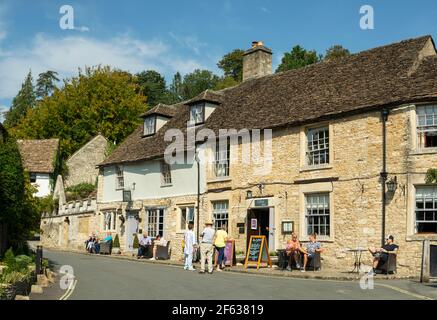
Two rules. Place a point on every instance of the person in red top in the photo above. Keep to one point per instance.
(293, 251)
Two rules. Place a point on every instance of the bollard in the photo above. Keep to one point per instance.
(38, 260)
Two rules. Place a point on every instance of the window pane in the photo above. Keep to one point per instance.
(426, 210)
(317, 214)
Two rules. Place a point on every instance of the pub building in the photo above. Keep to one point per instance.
(352, 141)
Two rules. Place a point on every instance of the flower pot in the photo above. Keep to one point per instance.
(116, 250)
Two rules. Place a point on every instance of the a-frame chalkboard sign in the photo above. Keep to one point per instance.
(257, 252)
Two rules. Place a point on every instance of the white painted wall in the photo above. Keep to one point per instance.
(42, 184)
(160, 122)
(147, 178)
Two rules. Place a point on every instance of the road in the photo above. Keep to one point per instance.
(100, 277)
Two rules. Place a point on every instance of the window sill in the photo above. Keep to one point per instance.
(216, 180)
(319, 239)
(316, 167)
(421, 237)
(423, 151)
(166, 185)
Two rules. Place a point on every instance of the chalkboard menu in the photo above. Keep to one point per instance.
(257, 252)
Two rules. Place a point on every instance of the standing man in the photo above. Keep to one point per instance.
(190, 246)
(207, 247)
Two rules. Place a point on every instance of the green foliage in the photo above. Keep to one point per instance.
(336, 52)
(116, 242)
(232, 65)
(198, 81)
(153, 86)
(297, 58)
(136, 243)
(45, 84)
(80, 191)
(226, 82)
(9, 259)
(98, 100)
(23, 101)
(46, 204)
(431, 176)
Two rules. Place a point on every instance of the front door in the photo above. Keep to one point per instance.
(433, 261)
(258, 223)
(131, 229)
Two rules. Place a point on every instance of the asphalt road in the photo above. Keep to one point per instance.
(99, 277)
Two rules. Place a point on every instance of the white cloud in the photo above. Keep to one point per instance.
(3, 110)
(265, 10)
(65, 55)
(82, 29)
(190, 42)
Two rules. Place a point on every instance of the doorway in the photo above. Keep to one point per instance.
(258, 223)
(132, 225)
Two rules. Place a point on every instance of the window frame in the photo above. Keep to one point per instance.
(112, 221)
(222, 213)
(194, 121)
(326, 225)
(425, 127)
(310, 154)
(156, 226)
(219, 163)
(153, 123)
(119, 177)
(165, 169)
(183, 220)
(425, 210)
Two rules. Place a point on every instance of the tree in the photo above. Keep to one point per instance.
(297, 58)
(232, 65)
(23, 101)
(45, 84)
(336, 52)
(19, 213)
(153, 86)
(226, 82)
(198, 81)
(175, 91)
(431, 176)
(99, 100)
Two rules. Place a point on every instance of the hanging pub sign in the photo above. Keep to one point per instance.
(127, 196)
(257, 252)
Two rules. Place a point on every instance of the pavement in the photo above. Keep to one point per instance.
(118, 277)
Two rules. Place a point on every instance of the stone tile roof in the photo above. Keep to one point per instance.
(161, 109)
(386, 76)
(39, 155)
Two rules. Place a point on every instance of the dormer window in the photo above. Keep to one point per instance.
(197, 114)
(149, 125)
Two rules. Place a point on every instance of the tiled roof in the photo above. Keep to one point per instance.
(399, 73)
(161, 109)
(39, 155)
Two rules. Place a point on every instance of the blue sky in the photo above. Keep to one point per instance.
(171, 36)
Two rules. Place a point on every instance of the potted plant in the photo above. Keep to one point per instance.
(136, 243)
(116, 245)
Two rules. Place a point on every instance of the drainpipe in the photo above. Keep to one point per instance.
(198, 191)
(384, 174)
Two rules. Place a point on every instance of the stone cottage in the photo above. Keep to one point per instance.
(40, 160)
(351, 142)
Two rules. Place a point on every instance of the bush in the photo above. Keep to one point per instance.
(80, 191)
(136, 243)
(116, 242)
(16, 264)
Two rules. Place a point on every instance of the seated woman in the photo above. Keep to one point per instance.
(293, 251)
(159, 241)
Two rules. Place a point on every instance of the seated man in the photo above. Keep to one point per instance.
(293, 251)
(310, 251)
(144, 243)
(159, 241)
(380, 255)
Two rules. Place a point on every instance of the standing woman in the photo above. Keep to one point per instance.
(189, 247)
(221, 237)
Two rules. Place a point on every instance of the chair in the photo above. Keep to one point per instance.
(314, 263)
(106, 247)
(282, 259)
(389, 266)
(163, 253)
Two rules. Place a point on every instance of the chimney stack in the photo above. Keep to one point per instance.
(257, 61)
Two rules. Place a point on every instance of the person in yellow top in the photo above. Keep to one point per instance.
(221, 236)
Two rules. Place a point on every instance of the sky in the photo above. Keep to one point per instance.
(170, 36)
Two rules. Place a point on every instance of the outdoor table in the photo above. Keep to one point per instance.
(357, 257)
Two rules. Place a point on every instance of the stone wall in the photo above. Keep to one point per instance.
(82, 164)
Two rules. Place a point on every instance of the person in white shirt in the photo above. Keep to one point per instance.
(144, 245)
(159, 241)
(190, 246)
(207, 247)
